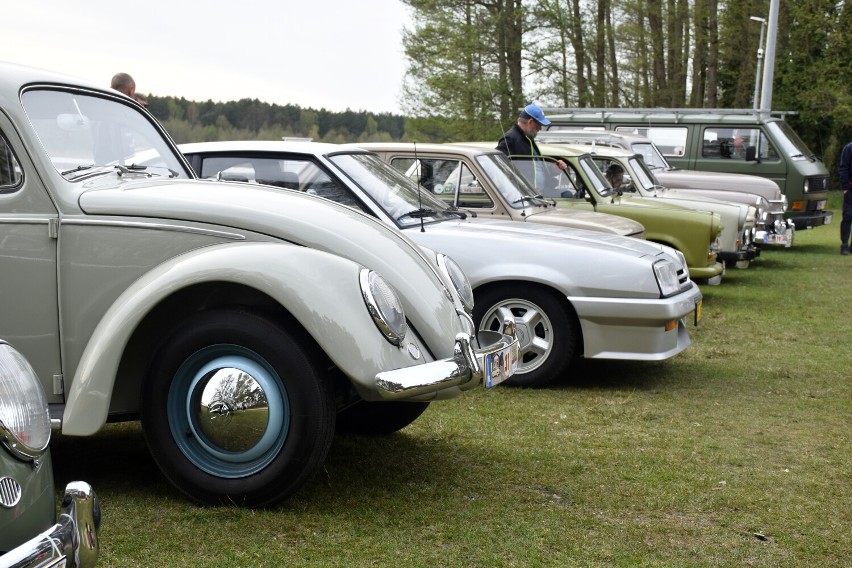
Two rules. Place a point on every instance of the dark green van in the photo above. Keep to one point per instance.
(739, 141)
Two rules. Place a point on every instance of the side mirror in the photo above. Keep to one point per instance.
(751, 154)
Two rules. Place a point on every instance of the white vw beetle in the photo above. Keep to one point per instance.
(241, 326)
(570, 292)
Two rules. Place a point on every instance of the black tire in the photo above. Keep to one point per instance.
(230, 448)
(379, 418)
(547, 328)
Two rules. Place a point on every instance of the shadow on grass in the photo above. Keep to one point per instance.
(616, 374)
(117, 463)
(115, 460)
(368, 468)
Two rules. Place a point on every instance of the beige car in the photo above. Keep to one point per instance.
(483, 182)
(242, 325)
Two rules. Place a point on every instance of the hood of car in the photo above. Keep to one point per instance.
(575, 261)
(732, 214)
(588, 220)
(692, 179)
(296, 218)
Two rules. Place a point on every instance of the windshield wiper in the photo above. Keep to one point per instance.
(77, 169)
(527, 198)
(417, 214)
(140, 168)
(454, 211)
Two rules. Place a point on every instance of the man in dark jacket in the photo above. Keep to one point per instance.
(846, 188)
(520, 139)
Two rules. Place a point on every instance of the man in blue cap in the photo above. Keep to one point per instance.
(520, 139)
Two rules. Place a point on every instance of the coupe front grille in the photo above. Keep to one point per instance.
(10, 492)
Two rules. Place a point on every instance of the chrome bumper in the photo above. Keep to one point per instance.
(466, 366)
(782, 234)
(72, 542)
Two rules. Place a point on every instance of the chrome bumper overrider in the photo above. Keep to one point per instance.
(71, 542)
(466, 366)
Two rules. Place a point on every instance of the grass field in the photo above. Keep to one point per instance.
(734, 453)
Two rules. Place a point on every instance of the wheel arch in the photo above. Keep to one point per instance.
(528, 284)
(166, 316)
(291, 282)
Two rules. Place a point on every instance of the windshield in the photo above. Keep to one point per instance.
(642, 176)
(594, 175)
(400, 197)
(652, 156)
(510, 178)
(788, 141)
(84, 135)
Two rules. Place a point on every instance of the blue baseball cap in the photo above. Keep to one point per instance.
(535, 112)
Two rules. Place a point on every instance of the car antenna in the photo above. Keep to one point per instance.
(419, 189)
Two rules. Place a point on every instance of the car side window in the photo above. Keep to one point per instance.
(670, 140)
(582, 192)
(288, 173)
(731, 143)
(448, 179)
(11, 174)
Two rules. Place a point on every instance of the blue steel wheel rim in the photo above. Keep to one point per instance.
(198, 448)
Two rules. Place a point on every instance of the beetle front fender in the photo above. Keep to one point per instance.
(319, 289)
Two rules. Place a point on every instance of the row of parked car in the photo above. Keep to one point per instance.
(298, 289)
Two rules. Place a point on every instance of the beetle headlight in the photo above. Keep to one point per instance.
(384, 306)
(666, 273)
(24, 417)
(459, 280)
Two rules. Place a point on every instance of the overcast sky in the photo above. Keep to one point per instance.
(332, 54)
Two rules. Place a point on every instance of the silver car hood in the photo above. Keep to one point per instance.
(577, 262)
(297, 218)
(589, 220)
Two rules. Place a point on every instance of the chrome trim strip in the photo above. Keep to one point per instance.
(26, 220)
(156, 226)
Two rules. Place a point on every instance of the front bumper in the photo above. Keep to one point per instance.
(811, 219)
(71, 542)
(493, 362)
(637, 329)
(741, 255)
(782, 233)
(709, 272)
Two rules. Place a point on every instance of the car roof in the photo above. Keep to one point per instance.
(591, 135)
(580, 149)
(468, 149)
(297, 146)
(14, 77)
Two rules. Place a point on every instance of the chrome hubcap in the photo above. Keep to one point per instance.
(233, 411)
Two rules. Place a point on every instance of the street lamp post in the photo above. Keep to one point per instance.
(759, 61)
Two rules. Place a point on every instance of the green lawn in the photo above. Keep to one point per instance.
(734, 453)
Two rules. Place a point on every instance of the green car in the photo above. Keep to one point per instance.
(582, 186)
(30, 533)
(736, 240)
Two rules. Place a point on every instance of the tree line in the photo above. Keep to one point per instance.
(250, 119)
(473, 63)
